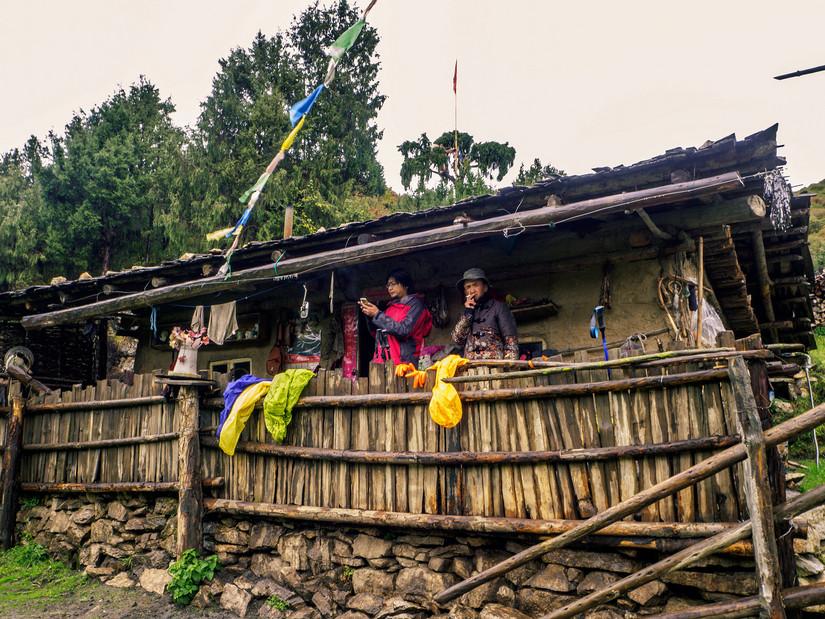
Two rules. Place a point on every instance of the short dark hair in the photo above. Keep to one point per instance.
(403, 278)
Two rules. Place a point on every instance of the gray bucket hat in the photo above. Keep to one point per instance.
(474, 273)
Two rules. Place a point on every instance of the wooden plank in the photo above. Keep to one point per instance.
(680, 430)
(723, 483)
(385, 439)
(555, 418)
(431, 443)
(660, 433)
(625, 432)
(378, 482)
(342, 418)
(361, 440)
(399, 441)
(520, 441)
(758, 492)
(705, 502)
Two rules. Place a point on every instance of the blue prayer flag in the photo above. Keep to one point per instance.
(304, 105)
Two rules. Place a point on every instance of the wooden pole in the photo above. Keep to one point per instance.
(796, 597)
(560, 368)
(62, 407)
(476, 458)
(11, 468)
(701, 296)
(688, 477)
(477, 524)
(113, 487)
(190, 492)
(764, 279)
(757, 491)
(109, 442)
(686, 557)
(289, 215)
(391, 247)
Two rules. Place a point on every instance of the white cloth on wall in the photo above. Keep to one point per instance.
(223, 322)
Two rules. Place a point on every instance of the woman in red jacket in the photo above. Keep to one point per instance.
(401, 328)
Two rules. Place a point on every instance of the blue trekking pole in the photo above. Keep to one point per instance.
(597, 327)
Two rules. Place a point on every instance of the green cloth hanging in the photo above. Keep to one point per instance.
(284, 392)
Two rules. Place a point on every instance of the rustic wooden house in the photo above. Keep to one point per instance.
(649, 448)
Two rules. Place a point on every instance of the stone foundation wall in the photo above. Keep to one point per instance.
(325, 572)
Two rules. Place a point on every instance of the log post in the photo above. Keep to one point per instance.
(757, 492)
(190, 490)
(11, 466)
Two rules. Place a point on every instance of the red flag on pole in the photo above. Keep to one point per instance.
(455, 78)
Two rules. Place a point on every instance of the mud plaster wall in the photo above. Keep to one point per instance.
(634, 309)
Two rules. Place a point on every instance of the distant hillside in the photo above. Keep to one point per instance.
(816, 227)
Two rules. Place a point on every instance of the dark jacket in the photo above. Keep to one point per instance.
(401, 329)
(488, 331)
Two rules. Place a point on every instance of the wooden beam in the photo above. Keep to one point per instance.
(542, 369)
(757, 491)
(688, 477)
(65, 407)
(516, 393)
(112, 487)
(794, 598)
(430, 458)
(11, 469)
(387, 248)
(476, 524)
(686, 557)
(190, 491)
(101, 444)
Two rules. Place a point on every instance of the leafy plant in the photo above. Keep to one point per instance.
(188, 573)
(273, 601)
(29, 502)
(348, 572)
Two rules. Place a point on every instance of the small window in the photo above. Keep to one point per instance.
(217, 368)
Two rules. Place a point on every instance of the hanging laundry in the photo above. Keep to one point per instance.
(231, 393)
(230, 430)
(284, 392)
(223, 322)
(445, 405)
(197, 319)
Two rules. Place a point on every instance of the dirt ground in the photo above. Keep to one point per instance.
(95, 600)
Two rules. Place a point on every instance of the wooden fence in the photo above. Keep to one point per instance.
(390, 456)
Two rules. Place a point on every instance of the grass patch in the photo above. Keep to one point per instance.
(28, 575)
(814, 475)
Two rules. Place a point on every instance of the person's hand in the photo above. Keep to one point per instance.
(369, 309)
(470, 301)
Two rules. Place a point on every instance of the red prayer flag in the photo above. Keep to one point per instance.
(455, 78)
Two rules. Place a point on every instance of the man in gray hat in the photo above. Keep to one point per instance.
(487, 329)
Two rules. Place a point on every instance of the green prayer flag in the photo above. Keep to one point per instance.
(258, 186)
(346, 40)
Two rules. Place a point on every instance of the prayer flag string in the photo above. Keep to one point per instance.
(297, 116)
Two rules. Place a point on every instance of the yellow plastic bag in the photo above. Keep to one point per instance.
(445, 405)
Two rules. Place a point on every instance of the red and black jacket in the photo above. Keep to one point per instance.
(405, 323)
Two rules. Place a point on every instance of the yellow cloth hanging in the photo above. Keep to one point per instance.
(445, 405)
(239, 415)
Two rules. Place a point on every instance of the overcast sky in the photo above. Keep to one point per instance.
(578, 84)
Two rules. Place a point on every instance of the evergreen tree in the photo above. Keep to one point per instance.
(109, 179)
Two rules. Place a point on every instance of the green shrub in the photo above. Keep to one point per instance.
(188, 573)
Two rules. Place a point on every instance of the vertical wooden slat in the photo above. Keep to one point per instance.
(385, 439)
(361, 437)
(430, 444)
(660, 433)
(679, 410)
(724, 489)
(378, 499)
(342, 419)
